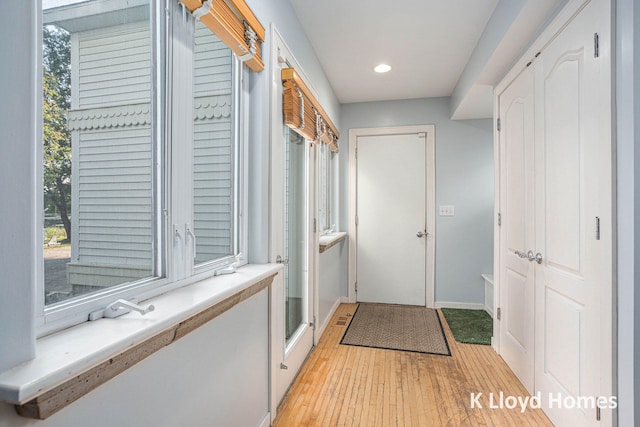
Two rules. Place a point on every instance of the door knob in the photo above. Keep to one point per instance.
(422, 233)
(537, 257)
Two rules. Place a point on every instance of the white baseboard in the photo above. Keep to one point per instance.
(266, 421)
(488, 310)
(465, 305)
(327, 319)
(344, 300)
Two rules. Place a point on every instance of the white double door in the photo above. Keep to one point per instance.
(555, 267)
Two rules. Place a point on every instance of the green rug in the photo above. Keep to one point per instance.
(469, 326)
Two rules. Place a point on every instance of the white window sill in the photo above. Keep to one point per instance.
(68, 353)
(331, 239)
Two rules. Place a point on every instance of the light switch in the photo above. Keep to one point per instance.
(447, 210)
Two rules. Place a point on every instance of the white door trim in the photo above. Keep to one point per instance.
(430, 173)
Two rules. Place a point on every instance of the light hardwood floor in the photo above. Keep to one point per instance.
(343, 385)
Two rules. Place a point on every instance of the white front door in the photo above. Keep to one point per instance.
(574, 217)
(517, 230)
(391, 220)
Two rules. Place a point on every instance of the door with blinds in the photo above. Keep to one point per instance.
(299, 124)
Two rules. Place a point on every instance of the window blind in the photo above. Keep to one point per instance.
(303, 112)
(235, 24)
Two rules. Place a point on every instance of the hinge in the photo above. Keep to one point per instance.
(356, 152)
(498, 314)
(313, 324)
(498, 124)
(314, 225)
(597, 411)
(499, 219)
(597, 228)
(596, 45)
(356, 286)
(356, 220)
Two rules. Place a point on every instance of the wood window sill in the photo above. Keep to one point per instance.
(72, 362)
(329, 240)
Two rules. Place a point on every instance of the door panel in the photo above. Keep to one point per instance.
(558, 366)
(517, 210)
(391, 198)
(573, 154)
(564, 162)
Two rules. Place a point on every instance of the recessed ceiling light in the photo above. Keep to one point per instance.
(382, 68)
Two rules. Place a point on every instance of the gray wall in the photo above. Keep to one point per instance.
(464, 178)
(333, 280)
(628, 209)
(20, 225)
(215, 376)
(282, 15)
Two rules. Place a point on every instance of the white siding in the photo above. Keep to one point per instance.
(213, 147)
(112, 216)
(114, 65)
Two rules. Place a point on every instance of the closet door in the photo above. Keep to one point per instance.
(573, 195)
(517, 229)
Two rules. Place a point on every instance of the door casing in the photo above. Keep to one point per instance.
(354, 134)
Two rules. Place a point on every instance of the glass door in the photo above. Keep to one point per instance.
(294, 246)
(296, 234)
(292, 237)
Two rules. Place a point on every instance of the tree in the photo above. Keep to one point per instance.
(56, 136)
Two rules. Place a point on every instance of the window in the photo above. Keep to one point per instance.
(143, 174)
(325, 191)
(215, 181)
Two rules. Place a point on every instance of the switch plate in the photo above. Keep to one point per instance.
(447, 210)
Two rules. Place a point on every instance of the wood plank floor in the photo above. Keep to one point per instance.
(343, 385)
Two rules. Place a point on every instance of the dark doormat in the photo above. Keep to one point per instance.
(469, 326)
(397, 327)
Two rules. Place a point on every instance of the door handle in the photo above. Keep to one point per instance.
(522, 254)
(530, 256)
(422, 233)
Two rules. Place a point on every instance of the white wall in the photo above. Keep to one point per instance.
(464, 178)
(628, 206)
(215, 376)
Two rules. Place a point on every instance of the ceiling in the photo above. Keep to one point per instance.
(427, 42)
(454, 48)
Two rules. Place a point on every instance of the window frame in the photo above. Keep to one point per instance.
(326, 190)
(164, 24)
